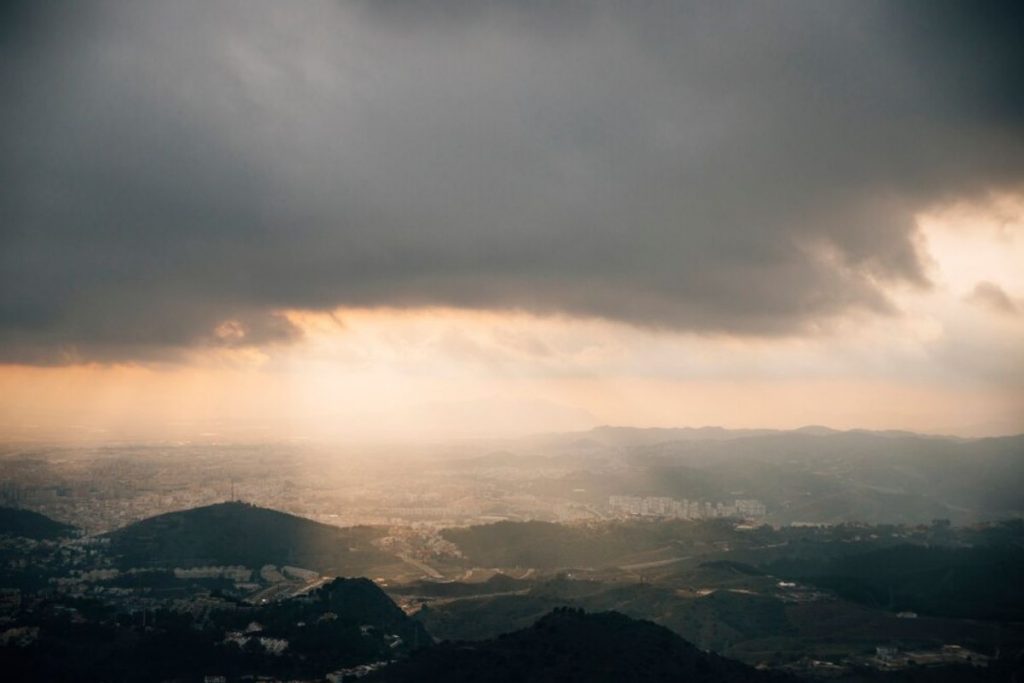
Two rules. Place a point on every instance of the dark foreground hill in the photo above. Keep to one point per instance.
(346, 623)
(972, 583)
(570, 645)
(241, 534)
(28, 524)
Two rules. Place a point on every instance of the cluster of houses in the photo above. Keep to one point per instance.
(661, 506)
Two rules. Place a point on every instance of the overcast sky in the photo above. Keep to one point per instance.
(787, 195)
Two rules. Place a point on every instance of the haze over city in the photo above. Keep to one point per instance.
(508, 340)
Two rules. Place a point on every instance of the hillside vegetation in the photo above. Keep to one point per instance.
(242, 534)
(570, 645)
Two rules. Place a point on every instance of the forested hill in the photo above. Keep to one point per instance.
(241, 534)
(570, 645)
(28, 524)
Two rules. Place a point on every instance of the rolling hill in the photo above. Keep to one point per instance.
(345, 623)
(570, 645)
(28, 524)
(241, 534)
(976, 583)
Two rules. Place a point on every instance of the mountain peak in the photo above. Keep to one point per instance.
(239, 533)
(571, 645)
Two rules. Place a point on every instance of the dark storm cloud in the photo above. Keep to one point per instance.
(174, 174)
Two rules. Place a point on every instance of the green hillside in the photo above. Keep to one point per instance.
(242, 534)
(975, 583)
(570, 645)
(346, 623)
(28, 524)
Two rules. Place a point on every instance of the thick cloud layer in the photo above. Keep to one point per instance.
(175, 174)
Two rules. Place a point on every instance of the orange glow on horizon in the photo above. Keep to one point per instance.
(946, 364)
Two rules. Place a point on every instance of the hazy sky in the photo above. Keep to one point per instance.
(250, 219)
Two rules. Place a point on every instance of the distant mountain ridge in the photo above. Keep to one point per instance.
(813, 474)
(649, 435)
(239, 533)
